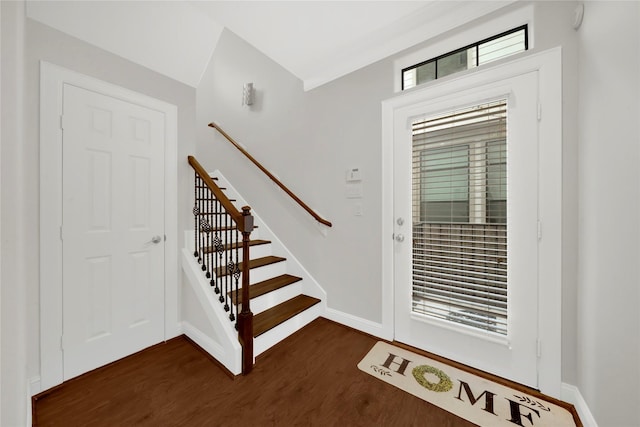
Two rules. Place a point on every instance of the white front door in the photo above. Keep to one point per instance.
(466, 224)
(113, 229)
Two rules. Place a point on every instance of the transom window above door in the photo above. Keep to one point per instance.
(479, 53)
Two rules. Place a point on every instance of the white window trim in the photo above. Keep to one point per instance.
(52, 79)
(548, 66)
(497, 25)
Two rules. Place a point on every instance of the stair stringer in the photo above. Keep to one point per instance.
(224, 347)
(310, 285)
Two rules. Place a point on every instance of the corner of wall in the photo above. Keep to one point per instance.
(571, 394)
(15, 324)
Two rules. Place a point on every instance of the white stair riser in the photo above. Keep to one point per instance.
(190, 238)
(225, 237)
(266, 272)
(277, 334)
(257, 251)
(273, 298)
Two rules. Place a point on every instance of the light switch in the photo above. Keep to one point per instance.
(354, 190)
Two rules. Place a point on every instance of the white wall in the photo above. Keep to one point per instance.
(1, 120)
(308, 139)
(553, 23)
(14, 263)
(609, 196)
(46, 44)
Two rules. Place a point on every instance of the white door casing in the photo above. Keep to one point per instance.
(547, 65)
(513, 355)
(53, 79)
(113, 229)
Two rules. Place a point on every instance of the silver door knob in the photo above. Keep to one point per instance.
(156, 239)
(399, 238)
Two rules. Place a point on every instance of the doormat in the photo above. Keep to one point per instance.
(466, 395)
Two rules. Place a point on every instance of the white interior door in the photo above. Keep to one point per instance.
(113, 229)
(466, 249)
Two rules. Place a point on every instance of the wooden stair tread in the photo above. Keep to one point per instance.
(230, 227)
(266, 286)
(251, 243)
(257, 242)
(254, 263)
(268, 319)
(207, 199)
(206, 186)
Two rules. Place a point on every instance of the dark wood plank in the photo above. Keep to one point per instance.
(310, 379)
(254, 263)
(266, 286)
(207, 198)
(257, 242)
(268, 319)
(204, 186)
(227, 228)
(238, 245)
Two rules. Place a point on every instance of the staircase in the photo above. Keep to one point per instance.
(283, 296)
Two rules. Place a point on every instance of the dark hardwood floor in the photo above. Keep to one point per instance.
(311, 378)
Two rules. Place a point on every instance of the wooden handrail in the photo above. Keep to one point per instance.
(235, 214)
(270, 175)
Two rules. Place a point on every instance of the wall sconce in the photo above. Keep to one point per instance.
(247, 94)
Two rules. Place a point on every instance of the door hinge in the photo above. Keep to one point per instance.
(539, 230)
(61, 233)
(61, 342)
(539, 111)
(538, 348)
(62, 121)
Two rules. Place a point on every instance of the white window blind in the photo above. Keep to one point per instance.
(460, 217)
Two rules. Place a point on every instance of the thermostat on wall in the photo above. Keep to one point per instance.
(354, 174)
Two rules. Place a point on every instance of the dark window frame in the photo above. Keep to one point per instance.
(475, 45)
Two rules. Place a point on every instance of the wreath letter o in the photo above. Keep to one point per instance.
(445, 383)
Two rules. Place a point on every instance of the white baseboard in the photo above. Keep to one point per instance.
(29, 416)
(571, 394)
(33, 388)
(364, 325)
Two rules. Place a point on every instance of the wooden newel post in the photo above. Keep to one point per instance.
(245, 318)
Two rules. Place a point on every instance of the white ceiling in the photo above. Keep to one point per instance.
(171, 38)
(317, 41)
(306, 36)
